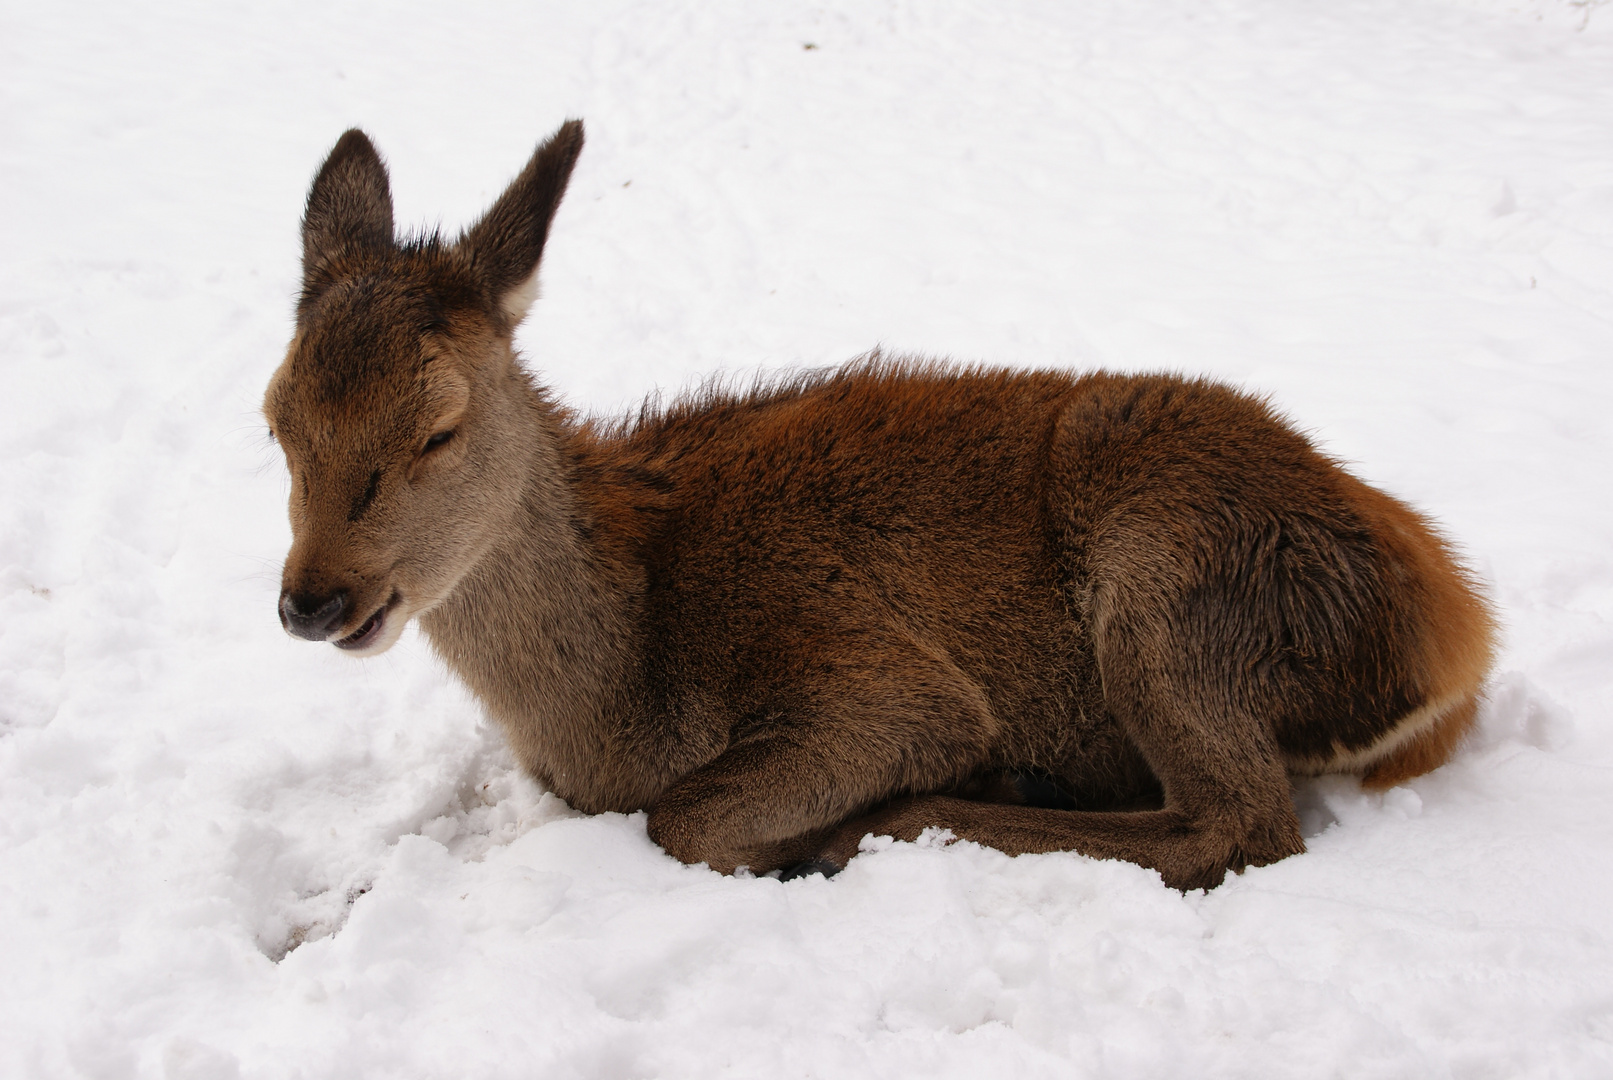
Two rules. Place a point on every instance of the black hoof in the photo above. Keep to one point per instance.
(820, 865)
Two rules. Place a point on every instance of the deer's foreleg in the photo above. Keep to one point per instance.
(902, 721)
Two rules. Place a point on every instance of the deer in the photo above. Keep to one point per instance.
(1044, 611)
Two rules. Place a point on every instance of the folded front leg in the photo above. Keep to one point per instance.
(906, 721)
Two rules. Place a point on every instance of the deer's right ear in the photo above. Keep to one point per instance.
(507, 244)
(349, 211)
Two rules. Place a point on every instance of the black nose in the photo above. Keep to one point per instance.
(313, 617)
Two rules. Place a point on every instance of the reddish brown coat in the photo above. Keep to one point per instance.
(1107, 614)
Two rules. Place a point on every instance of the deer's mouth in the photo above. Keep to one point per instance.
(371, 629)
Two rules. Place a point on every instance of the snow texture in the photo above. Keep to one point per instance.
(225, 853)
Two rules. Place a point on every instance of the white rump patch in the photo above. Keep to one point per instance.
(1406, 729)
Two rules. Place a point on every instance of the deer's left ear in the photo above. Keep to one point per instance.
(506, 246)
(349, 211)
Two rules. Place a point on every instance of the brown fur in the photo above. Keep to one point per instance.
(1098, 613)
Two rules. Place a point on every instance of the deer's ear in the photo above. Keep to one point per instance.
(349, 210)
(506, 246)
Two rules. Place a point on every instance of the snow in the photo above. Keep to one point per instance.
(224, 853)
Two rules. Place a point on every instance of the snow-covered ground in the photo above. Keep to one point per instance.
(226, 853)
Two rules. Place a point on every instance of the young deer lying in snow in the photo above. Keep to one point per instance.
(1098, 613)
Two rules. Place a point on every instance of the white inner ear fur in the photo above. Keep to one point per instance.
(518, 301)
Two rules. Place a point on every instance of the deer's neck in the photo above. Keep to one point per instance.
(542, 629)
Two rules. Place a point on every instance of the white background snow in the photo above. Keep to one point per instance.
(227, 853)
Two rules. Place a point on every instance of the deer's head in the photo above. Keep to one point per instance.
(406, 422)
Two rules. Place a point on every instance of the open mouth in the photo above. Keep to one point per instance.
(370, 629)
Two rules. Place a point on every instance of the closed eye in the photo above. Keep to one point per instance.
(439, 439)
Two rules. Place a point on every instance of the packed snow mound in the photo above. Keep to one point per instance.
(224, 853)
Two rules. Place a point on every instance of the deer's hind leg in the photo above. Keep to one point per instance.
(1209, 741)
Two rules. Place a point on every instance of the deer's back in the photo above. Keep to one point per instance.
(995, 521)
